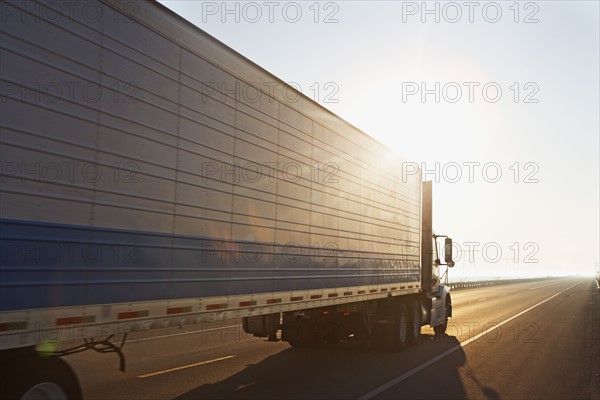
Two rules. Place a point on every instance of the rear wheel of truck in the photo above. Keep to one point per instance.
(42, 378)
(401, 337)
(415, 324)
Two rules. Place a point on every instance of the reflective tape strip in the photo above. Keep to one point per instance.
(216, 306)
(247, 303)
(85, 319)
(296, 298)
(13, 326)
(133, 314)
(178, 310)
(273, 301)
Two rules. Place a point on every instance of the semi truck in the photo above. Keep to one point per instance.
(154, 177)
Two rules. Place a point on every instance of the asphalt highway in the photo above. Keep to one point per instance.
(529, 340)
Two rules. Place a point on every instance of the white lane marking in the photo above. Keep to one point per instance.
(432, 361)
(485, 298)
(184, 367)
(537, 287)
(182, 333)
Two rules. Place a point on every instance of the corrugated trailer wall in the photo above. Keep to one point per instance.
(133, 170)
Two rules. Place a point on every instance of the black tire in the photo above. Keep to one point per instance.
(415, 324)
(42, 378)
(440, 330)
(401, 332)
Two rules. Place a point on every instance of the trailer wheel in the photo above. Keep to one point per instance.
(403, 327)
(42, 378)
(415, 324)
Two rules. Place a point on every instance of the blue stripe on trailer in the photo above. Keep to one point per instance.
(57, 265)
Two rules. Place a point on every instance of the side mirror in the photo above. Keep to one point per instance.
(448, 252)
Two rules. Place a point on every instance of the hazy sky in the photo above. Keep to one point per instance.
(518, 93)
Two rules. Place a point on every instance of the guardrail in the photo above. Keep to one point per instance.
(476, 284)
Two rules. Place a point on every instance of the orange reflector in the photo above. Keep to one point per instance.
(216, 306)
(296, 298)
(75, 320)
(13, 326)
(132, 314)
(178, 310)
(247, 303)
(273, 301)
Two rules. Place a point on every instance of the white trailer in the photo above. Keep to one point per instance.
(152, 176)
